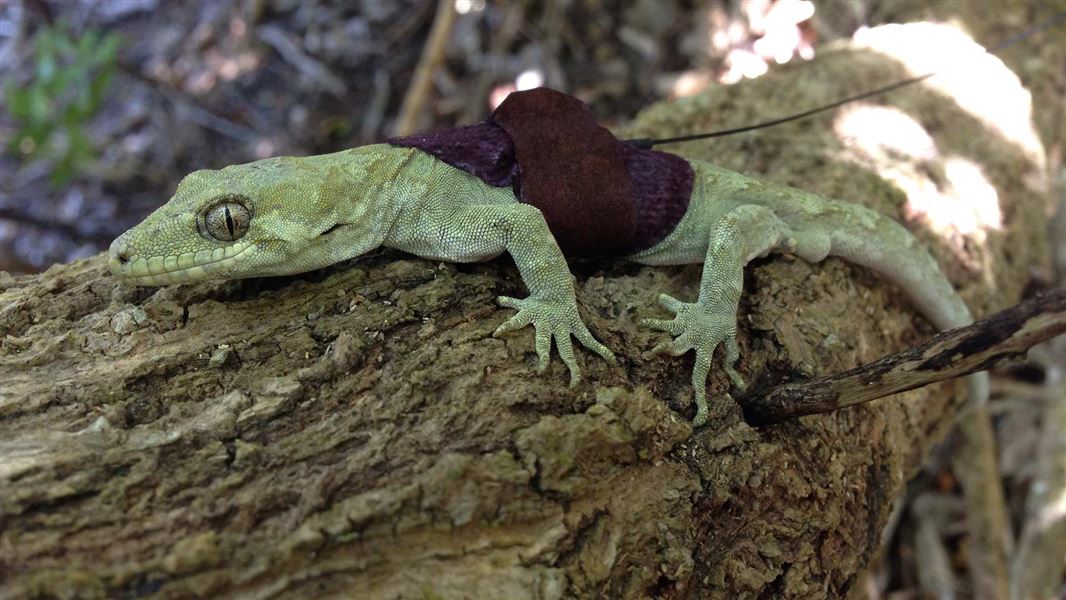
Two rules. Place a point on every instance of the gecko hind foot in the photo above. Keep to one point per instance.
(700, 327)
(558, 319)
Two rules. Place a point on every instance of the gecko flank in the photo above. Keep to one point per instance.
(539, 180)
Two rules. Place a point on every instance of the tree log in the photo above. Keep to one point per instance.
(357, 431)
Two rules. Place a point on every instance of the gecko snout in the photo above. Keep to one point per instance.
(118, 256)
(119, 251)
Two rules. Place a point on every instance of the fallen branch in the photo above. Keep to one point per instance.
(953, 353)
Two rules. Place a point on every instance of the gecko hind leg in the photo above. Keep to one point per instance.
(735, 238)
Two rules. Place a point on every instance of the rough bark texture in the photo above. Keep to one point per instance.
(358, 430)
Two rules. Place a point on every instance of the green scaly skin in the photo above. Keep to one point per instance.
(305, 213)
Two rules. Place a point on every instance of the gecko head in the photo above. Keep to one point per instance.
(269, 217)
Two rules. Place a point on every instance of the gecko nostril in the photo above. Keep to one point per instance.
(120, 251)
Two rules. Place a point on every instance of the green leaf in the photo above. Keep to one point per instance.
(64, 44)
(98, 87)
(18, 103)
(62, 173)
(72, 74)
(108, 49)
(81, 148)
(88, 43)
(39, 104)
(46, 66)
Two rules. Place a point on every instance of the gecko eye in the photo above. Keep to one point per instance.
(227, 222)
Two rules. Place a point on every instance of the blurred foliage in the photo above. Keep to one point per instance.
(70, 76)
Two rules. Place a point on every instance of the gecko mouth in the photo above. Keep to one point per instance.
(181, 268)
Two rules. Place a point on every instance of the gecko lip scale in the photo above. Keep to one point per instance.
(181, 268)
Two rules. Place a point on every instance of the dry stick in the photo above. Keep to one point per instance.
(989, 538)
(432, 56)
(953, 353)
(1036, 570)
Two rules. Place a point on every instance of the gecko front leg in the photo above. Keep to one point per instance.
(738, 236)
(470, 232)
(551, 306)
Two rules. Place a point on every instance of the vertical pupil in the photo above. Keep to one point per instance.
(229, 220)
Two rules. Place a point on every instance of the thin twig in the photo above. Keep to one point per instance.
(932, 561)
(989, 538)
(432, 57)
(954, 353)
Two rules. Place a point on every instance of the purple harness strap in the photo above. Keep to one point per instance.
(599, 196)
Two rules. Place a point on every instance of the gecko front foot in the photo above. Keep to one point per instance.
(557, 319)
(700, 327)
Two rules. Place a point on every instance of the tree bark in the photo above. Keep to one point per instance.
(357, 430)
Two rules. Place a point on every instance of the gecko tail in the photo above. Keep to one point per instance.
(886, 247)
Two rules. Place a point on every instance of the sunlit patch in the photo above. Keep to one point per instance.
(783, 38)
(875, 129)
(529, 79)
(965, 203)
(1054, 511)
(690, 83)
(973, 190)
(499, 94)
(743, 64)
(774, 31)
(959, 199)
(526, 80)
(265, 148)
(469, 6)
(979, 82)
(230, 67)
(780, 38)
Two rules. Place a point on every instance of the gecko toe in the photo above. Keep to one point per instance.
(671, 326)
(518, 321)
(670, 303)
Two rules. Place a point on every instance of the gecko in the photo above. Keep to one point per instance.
(542, 181)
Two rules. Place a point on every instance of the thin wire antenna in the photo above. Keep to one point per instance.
(648, 143)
